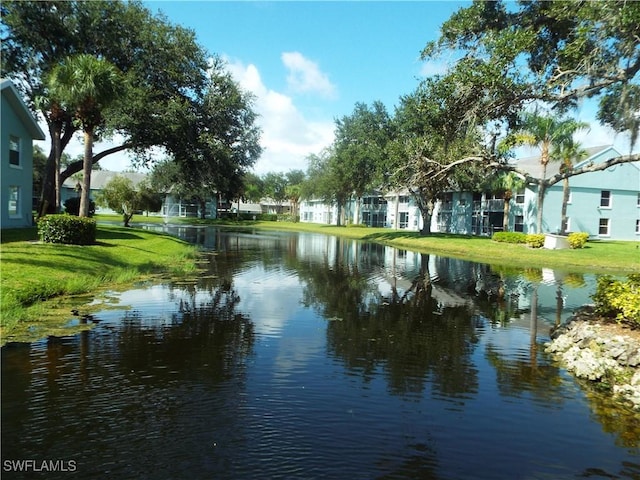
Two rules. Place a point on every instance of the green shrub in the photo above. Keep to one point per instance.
(67, 229)
(619, 299)
(287, 217)
(509, 237)
(535, 240)
(72, 206)
(577, 239)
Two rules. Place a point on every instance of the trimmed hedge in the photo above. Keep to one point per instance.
(67, 229)
(619, 299)
(535, 240)
(509, 237)
(577, 239)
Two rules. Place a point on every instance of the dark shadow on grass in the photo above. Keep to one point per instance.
(115, 235)
(393, 235)
(9, 235)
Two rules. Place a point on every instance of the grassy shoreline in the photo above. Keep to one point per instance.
(35, 277)
(605, 256)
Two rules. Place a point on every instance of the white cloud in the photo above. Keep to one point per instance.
(430, 69)
(288, 137)
(305, 76)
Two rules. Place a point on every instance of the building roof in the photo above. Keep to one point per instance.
(532, 165)
(100, 178)
(10, 92)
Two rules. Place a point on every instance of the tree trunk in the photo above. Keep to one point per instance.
(48, 195)
(426, 211)
(541, 193)
(542, 190)
(505, 213)
(57, 154)
(396, 222)
(85, 197)
(565, 201)
(356, 211)
(339, 214)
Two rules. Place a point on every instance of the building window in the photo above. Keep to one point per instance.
(605, 198)
(603, 229)
(404, 220)
(374, 219)
(520, 196)
(14, 201)
(637, 227)
(14, 150)
(639, 199)
(405, 199)
(518, 225)
(447, 200)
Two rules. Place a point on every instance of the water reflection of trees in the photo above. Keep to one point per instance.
(171, 378)
(409, 332)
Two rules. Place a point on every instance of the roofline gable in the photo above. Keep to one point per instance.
(10, 92)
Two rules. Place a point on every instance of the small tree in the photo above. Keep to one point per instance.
(567, 152)
(121, 196)
(509, 183)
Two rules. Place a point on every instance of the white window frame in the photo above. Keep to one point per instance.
(608, 225)
(638, 226)
(519, 199)
(15, 194)
(610, 199)
(516, 223)
(403, 220)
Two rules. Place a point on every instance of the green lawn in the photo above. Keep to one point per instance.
(31, 271)
(597, 256)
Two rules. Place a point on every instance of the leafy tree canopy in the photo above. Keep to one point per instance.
(555, 52)
(164, 69)
(360, 143)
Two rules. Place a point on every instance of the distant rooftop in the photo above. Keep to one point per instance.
(99, 178)
(533, 167)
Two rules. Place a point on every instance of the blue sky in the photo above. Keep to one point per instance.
(309, 62)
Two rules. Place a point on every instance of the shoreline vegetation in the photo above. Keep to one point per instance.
(37, 278)
(41, 283)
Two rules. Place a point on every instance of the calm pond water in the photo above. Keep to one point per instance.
(308, 356)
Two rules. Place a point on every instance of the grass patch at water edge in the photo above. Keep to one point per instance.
(32, 272)
(616, 257)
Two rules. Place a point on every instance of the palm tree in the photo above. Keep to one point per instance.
(509, 183)
(85, 85)
(568, 152)
(544, 132)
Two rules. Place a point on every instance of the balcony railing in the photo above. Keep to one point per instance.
(494, 205)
